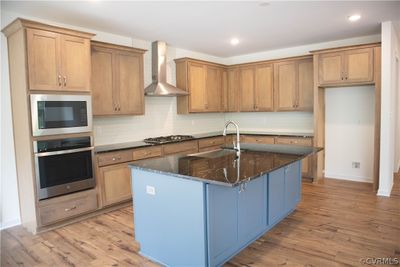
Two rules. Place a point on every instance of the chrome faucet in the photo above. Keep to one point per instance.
(237, 145)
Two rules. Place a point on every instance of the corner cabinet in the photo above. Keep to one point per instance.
(117, 80)
(294, 85)
(346, 67)
(204, 82)
(56, 61)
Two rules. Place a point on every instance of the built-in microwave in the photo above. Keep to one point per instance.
(60, 114)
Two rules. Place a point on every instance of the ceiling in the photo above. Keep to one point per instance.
(208, 26)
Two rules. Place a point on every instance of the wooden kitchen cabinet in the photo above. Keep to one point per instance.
(117, 80)
(114, 182)
(58, 62)
(256, 88)
(298, 141)
(233, 90)
(204, 81)
(293, 85)
(346, 67)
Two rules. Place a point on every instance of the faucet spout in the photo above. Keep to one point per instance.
(237, 145)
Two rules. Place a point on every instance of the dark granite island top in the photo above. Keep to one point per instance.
(223, 167)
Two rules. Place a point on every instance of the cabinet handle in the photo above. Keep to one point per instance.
(65, 81)
(69, 209)
(59, 80)
(116, 158)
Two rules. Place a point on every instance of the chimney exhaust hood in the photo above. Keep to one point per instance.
(159, 86)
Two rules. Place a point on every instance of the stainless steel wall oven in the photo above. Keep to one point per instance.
(63, 166)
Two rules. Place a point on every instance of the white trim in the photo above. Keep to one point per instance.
(10, 223)
(355, 178)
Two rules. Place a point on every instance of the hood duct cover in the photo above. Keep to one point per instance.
(159, 86)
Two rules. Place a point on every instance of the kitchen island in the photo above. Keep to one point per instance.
(202, 209)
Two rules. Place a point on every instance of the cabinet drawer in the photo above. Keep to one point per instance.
(114, 157)
(64, 207)
(184, 147)
(299, 141)
(147, 152)
(215, 141)
(258, 139)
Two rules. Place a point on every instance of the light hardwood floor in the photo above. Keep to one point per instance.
(336, 224)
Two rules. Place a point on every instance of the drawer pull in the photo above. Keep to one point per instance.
(116, 158)
(69, 209)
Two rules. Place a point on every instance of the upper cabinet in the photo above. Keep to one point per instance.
(58, 61)
(351, 66)
(232, 94)
(293, 85)
(206, 84)
(117, 80)
(256, 87)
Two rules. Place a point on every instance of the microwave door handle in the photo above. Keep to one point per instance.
(69, 151)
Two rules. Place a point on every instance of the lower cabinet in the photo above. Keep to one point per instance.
(284, 192)
(115, 183)
(237, 216)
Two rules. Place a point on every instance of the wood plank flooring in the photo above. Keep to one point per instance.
(336, 224)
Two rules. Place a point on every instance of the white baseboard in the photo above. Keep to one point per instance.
(10, 223)
(347, 177)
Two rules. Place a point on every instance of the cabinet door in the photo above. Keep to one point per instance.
(285, 83)
(224, 101)
(359, 65)
(331, 68)
(75, 63)
(43, 60)
(197, 87)
(264, 88)
(115, 183)
(247, 89)
(305, 98)
(213, 88)
(252, 219)
(102, 82)
(222, 215)
(129, 83)
(292, 186)
(233, 86)
(276, 196)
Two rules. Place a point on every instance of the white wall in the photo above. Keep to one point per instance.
(390, 106)
(160, 117)
(349, 132)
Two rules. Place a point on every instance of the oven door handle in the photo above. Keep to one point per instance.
(69, 151)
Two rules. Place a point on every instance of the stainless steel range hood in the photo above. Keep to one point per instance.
(159, 86)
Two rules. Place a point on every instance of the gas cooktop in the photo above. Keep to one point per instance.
(168, 139)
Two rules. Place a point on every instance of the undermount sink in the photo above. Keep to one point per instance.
(214, 153)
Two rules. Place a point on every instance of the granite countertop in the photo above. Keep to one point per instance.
(223, 167)
(138, 144)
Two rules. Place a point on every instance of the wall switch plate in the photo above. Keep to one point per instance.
(151, 190)
(355, 164)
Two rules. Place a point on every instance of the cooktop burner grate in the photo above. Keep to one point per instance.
(168, 139)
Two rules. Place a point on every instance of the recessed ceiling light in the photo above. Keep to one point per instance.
(354, 17)
(263, 3)
(234, 41)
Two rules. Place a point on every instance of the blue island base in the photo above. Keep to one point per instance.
(182, 222)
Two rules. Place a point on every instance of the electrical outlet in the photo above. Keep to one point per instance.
(151, 190)
(356, 164)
